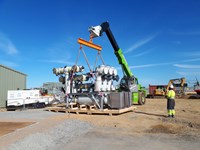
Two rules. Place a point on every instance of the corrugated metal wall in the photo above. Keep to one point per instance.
(10, 80)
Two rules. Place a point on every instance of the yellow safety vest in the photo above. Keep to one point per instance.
(171, 94)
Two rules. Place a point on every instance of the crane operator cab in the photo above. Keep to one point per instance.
(129, 84)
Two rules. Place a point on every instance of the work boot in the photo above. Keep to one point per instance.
(172, 116)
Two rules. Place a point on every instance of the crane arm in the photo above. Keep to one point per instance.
(104, 27)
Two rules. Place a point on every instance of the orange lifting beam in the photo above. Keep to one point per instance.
(89, 44)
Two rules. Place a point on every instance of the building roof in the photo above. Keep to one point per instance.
(12, 70)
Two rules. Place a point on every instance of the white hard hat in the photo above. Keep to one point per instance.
(171, 86)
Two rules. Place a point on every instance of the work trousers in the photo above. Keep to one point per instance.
(170, 107)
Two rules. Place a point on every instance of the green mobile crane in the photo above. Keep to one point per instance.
(129, 82)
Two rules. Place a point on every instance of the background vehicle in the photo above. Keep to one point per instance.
(197, 87)
(157, 91)
(179, 86)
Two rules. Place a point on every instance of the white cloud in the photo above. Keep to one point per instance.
(186, 66)
(144, 66)
(6, 45)
(170, 63)
(141, 54)
(190, 60)
(149, 65)
(141, 43)
(192, 54)
(185, 73)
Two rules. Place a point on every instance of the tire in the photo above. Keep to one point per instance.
(141, 98)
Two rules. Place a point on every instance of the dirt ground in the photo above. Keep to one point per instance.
(8, 127)
(151, 118)
(148, 120)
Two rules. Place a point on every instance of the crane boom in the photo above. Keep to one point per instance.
(104, 27)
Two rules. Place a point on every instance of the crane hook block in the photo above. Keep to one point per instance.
(89, 44)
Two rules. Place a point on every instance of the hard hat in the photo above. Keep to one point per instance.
(171, 86)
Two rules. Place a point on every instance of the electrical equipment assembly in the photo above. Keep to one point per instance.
(98, 87)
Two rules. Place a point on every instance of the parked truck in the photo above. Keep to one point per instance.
(157, 91)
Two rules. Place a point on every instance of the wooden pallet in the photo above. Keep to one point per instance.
(91, 110)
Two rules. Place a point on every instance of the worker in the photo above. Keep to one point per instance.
(171, 102)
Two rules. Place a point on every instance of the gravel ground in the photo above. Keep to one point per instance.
(52, 139)
(145, 128)
(27, 114)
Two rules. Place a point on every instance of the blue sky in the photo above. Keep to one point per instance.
(160, 39)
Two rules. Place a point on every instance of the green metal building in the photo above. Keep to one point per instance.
(10, 80)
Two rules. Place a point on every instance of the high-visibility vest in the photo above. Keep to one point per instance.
(171, 94)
